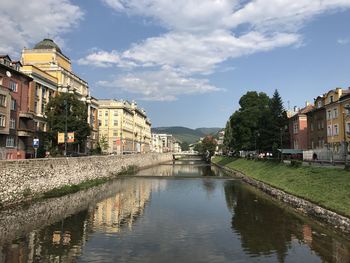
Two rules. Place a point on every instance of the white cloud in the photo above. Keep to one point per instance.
(23, 23)
(343, 41)
(202, 34)
(161, 85)
(105, 59)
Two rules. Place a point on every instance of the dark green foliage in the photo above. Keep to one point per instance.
(184, 146)
(208, 144)
(258, 124)
(76, 118)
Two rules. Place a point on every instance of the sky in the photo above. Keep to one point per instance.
(187, 62)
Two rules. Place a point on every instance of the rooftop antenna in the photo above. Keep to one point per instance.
(288, 102)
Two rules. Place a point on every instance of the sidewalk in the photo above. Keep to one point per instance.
(325, 164)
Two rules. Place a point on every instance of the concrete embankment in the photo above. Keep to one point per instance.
(302, 205)
(23, 179)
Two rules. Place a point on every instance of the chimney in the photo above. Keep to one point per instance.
(339, 91)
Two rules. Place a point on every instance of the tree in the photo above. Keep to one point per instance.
(76, 118)
(103, 143)
(258, 124)
(209, 144)
(184, 146)
(279, 123)
(248, 127)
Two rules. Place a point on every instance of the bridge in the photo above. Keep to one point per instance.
(182, 155)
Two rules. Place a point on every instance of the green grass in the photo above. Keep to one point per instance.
(327, 187)
(69, 189)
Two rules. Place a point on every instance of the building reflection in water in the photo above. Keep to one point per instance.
(195, 168)
(64, 240)
(266, 229)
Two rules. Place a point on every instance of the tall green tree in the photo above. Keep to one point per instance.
(279, 129)
(76, 118)
(248, 127)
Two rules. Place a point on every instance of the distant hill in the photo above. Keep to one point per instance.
(184, 134)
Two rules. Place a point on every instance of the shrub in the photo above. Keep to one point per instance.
(296, 163)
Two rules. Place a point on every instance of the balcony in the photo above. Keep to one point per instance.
(24, 133)
(26, 115)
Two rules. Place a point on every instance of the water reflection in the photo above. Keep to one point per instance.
(266, 228)
(156, 220)
(185, 168)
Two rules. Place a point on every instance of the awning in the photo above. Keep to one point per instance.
(290, 151)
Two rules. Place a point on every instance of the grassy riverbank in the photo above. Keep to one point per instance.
(327, 187)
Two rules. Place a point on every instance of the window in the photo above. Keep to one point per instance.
(295, 127)
(115, 113)
(336, 129)
(347, 109)
(322, 124)
(2, 120)
(43, 91)
(319, 104)
(115, 123)
(37, 90)
(42, 108)
(13, 86)
(312, 127)
(329, 130)
(106, 123)
(2, 100)
(312, 145)
(330, 99)
(335, 113)
(36, 107)
(106, 113)
(10, 141)
(329, 115)
(13, 104)
(115, 133)
(12, 123)
(347, 127)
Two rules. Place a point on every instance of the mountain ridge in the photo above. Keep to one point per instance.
(184, 134)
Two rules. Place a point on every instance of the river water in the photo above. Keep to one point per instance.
(185, 211)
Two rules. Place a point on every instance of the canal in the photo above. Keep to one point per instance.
(185, 211)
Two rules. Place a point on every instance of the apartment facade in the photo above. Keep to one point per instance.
(298, 129)
(337, 103)
(48, 57)
(125, 126)
(16, 117)
(317, 125)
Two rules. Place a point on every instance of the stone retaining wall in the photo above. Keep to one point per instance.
(21, 178)
(333, 219)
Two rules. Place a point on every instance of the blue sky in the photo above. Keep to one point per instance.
(188, 62)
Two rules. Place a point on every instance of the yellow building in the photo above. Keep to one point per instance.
(41, 90)
(338, 118)
(125, 126)
(48, 58)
